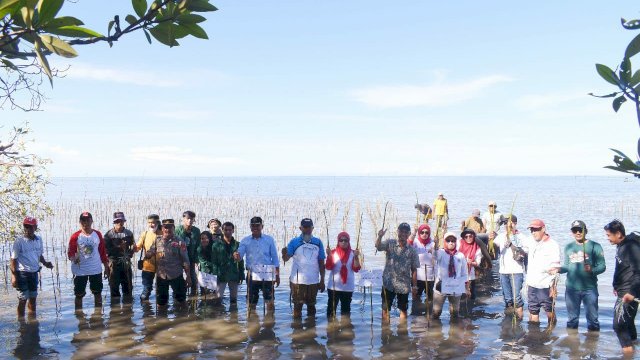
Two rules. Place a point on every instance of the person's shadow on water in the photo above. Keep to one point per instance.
(28, 342)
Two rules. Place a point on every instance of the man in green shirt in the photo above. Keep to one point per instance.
(190, 235)
(583, 262)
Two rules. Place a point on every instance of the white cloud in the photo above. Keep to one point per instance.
(438, 94)
(183, 114)
(179, 155)
(135, 77)
(545, 101)
(56, 149)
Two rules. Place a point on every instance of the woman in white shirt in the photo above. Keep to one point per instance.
(421, 241)
(342, 263)
(451, 277)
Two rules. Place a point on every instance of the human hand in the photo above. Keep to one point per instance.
(553, 271)
(627, 298)
(381, 233)
(14, 281)
(48, 264)
(321, 285)
(278, 280)
(236, 256)
(356, 252)
(587, 267)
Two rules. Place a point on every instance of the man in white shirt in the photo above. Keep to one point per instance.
(544, 257)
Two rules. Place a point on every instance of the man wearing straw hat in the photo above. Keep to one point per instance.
(191, 236)
(626, 284)
(147, 239)
(544, 256)
(86, 251)
(171, 257)
(307, 271)
(399, 277)
(26, 256)
(120, 246)
(583, 262)
(259, 249)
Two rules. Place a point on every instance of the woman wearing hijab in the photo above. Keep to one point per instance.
(421, 241)
(473, 253)
(342, 263)
(451, 277)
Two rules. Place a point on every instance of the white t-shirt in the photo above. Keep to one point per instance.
(335, 280)
(451, 285)
(543, 255)
(90, 263)
(28, 253)
(425, 256)
(477, 258)
(507, 264)
(492, 221)
(305, 269)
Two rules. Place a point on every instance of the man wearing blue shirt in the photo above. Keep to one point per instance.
(308, 256)
(259, 250)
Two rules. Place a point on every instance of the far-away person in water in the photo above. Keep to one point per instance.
(342, 263)
(626, 283)
(171, 257)
(400, 271)
(26, 257)
(451, 277)
(146, 240)
(229, 271)
(544, 256)
(87, 254)
(259, 249)
(583, 262)
(120, 245)
(191, 236)
(307, 271)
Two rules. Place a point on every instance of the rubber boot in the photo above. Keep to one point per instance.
(97, 300)
(78, 303)
(297, 311)
(311, 310)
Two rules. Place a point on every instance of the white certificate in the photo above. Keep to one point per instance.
(370, 278)
(207, 280)
(263, 273)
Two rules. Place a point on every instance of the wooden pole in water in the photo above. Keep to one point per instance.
(384, 218)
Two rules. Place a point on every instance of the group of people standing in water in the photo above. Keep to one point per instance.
(443, 265)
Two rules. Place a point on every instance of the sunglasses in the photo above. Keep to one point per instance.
(468, 236)
(492, 206)
(577, 230)
(450, 240)
(343, 240)
(424, 232)
(534, 229)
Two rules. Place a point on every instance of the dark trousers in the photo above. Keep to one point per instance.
(342, 297)
(624, 316)
(80, 284)
(178, 286)
(254, 291)
(425, 287)
(120, 276)
(147, 283)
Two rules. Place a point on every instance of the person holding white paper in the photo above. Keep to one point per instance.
(420, 239)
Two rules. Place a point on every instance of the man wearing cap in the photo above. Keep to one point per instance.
(172, 259)
(492, 219)
(513, 247)
(583, 262)
(191, 236)
(626, 283)
(307, 271)
(259, 249)
(146, 240)
(544, 257)
(86, 251)
(399, 277)
(119, 244)
(26, 257)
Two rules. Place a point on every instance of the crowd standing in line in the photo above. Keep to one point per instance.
(415, 263)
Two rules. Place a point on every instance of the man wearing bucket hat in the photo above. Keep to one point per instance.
(583, 262)
(544, 256)
(399, 277)
(86, 251)
(120, 246)
(26, 257)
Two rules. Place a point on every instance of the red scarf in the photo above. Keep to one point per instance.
(343, 254)
(469, 251)
(428, 239)
(452, 264)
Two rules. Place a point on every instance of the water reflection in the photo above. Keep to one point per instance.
(88, 337)
(263, 342)
(28, 343)
(303, 339)
(398, 345)
(340, 338)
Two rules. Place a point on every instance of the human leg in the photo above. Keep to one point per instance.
(590, 301)
(162, 291)
(147, 284)
(573, 300)
(438, 302)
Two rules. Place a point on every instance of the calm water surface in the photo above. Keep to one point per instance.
(201, 330)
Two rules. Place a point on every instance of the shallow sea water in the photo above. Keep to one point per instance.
(202, 330)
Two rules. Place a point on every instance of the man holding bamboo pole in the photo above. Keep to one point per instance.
(400, 271)
(308, 269)
(583, 262)
(513, 249)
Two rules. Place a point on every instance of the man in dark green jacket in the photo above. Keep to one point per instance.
(229, 271)
(190, 235)
(583, 262)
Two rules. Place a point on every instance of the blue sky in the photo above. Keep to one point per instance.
(344, 88)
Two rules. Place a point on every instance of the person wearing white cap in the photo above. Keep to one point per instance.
(451, 277)
(120, 247)
(492, 218)
(26, 257)
(544, 258)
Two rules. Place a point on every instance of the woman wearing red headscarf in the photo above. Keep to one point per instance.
(421, 241)
(473, 253)
(342, 263)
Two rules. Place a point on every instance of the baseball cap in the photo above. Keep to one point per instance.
(404, 227)
(306, 222)
(492, 203)
(578, 224)
(118, 215)
(168, 222)
(86, 215)
(536, 223)
(30, 221)
(256, 220)
(449, 233)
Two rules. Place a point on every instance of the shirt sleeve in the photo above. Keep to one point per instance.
(415, 261)
(275, 261)
(242, 248)
(598, 259)
(73, 246)
(329, 263)
(185, 255)
(15, 250)
(565, 267)
(384, 244)
(101, 248)
(321, 254)
(291, 247)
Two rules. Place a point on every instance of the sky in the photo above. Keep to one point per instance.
(303, 88)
